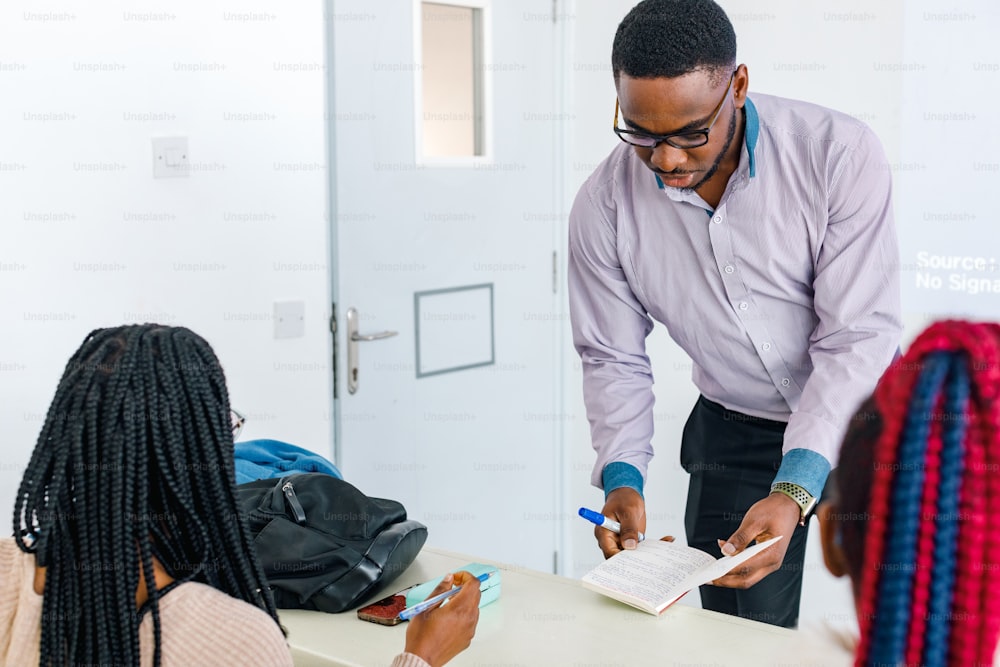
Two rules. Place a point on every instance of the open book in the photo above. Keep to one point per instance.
(656, 574)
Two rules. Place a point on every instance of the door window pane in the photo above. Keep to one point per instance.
(452, 80)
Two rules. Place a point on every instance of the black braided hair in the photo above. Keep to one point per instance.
(670, 38)
(134, 462)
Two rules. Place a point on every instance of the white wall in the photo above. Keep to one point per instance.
(90, 239)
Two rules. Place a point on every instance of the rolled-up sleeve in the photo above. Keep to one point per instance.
(610, 326)
(857, 304)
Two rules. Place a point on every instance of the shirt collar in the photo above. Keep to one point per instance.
(750, 134)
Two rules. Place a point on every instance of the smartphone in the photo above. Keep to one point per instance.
(385, 611)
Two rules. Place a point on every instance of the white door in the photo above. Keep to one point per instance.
(458, 260)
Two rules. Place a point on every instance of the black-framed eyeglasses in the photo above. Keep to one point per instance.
(236, 422)
(684, 140)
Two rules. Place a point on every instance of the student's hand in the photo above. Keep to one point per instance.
(775, 515)
(627, 507)
(440, 634)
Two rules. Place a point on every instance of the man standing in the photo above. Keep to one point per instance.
(760, 233)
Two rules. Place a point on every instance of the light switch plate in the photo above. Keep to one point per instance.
(170, 157)
(289, 319)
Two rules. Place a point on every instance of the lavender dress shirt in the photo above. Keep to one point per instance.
(785, 296)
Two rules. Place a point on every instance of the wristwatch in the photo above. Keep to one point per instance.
(802, 498)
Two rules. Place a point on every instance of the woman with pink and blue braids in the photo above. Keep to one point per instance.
(912, 513)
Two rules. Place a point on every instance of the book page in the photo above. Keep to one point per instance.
(655, 574)
(649, 575)
(725, 564)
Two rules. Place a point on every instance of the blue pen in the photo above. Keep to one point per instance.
(421, 607)
(599, 519)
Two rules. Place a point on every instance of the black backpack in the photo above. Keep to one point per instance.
(323, 544)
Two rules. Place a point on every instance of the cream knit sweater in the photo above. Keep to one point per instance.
(201, 625)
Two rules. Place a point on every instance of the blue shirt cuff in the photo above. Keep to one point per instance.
(803, 467)
(617, 474)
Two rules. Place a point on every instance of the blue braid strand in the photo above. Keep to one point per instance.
(957, 390)
(899, 560)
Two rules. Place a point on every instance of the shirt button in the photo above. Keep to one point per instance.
(765, 347)
(785, 382)
(744, 305)
(717, 219)
(729, 268)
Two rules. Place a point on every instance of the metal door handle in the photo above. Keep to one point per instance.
(353, 338)
(356, 337)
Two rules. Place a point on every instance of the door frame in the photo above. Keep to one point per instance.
(561, 10)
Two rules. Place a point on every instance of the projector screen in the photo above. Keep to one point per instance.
(949, 169)
(926, 78)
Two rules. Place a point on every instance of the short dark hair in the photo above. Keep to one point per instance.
(669, 38)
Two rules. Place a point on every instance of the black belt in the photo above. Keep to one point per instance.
(732, 415)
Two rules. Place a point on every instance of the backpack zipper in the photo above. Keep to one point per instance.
(293, 502)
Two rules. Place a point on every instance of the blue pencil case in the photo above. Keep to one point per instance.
(490, 589)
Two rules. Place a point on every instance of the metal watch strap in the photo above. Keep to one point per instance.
(802, 498)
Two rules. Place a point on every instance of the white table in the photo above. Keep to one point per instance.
(544, 619)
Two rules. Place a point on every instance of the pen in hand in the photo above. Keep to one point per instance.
(421, 607)
(599, 519)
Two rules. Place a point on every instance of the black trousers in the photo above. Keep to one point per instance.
(732, 459)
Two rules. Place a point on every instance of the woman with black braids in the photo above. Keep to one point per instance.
(127, 506)
(913, 510)
(128, 548)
